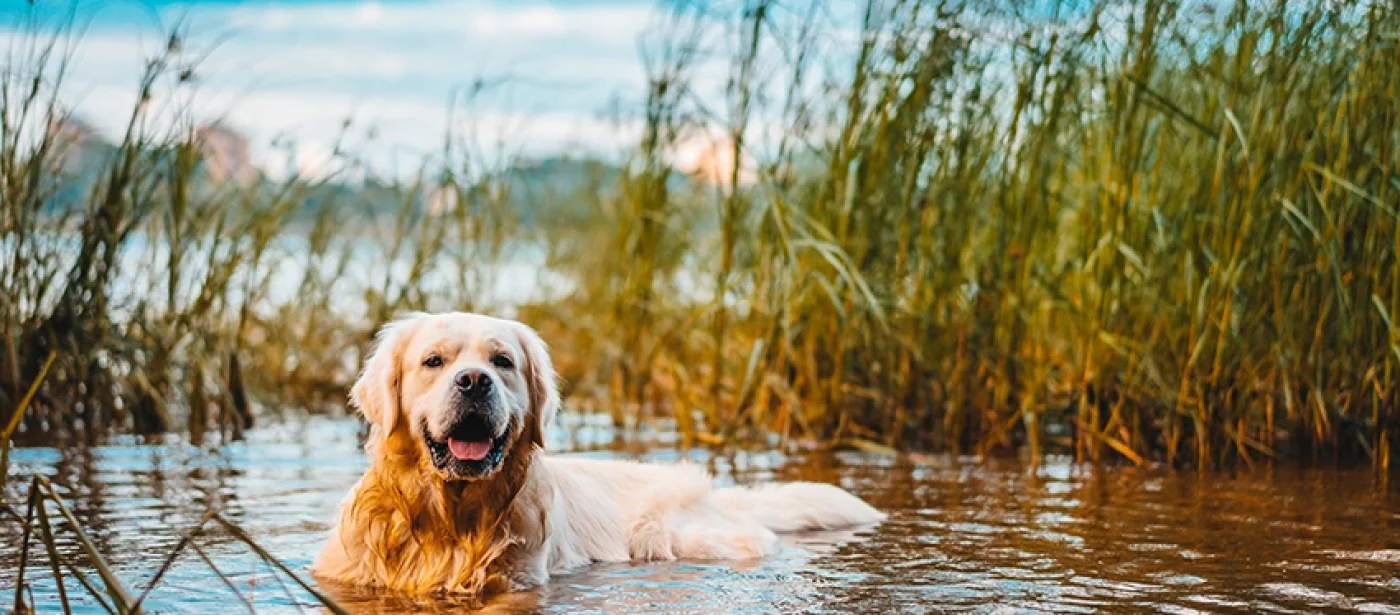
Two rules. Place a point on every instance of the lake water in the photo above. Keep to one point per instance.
(985, 536)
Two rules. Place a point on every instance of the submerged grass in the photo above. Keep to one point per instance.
(1152, 231)
(111, 595)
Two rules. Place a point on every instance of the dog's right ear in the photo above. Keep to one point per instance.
(543, 381)
(376, 393)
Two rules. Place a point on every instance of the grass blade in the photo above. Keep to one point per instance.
(222, 577)
(243, 536)
(33, 498)
(120, 598)
(185, 541)
(19, 414)
(52, 548)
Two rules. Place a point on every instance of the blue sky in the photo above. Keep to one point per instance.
(295, 70)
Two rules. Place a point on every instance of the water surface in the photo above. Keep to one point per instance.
(987, 535)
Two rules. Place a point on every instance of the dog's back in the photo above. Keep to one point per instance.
(672, 511)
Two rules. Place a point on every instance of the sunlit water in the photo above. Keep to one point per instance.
(963, 535)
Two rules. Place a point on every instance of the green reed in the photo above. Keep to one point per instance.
(1137, 230)
(1164, 230)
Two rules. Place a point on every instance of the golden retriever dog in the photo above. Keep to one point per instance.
(461, 497)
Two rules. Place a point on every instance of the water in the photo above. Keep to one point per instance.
(963, 535)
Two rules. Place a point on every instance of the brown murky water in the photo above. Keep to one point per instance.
(963, 535)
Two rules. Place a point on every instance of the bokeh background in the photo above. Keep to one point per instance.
(1136, 231)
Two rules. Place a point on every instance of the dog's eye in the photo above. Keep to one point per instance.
(432, 362)
(502, 361)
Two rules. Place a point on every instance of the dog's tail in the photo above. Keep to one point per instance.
(793, 507)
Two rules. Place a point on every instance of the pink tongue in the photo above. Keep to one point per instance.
(469, 451)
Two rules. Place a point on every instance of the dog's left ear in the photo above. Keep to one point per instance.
(541, 378)
(376, 392)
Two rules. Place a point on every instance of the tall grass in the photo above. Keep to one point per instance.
(1137, 230)
(155, 287)
(1147, 230)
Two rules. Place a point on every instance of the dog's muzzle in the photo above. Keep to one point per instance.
(474, 444)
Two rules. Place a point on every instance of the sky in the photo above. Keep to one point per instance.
(289, 72)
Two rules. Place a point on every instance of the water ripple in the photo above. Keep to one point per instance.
(964, 536)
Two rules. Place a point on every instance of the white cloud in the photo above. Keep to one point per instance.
(369, 12)
(299, 71)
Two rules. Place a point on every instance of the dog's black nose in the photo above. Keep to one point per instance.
(474, 381)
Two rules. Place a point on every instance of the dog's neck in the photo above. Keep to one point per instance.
(467, 503)
(469, 532)
(487, 501)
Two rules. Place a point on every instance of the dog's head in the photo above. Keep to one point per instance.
(470, 390)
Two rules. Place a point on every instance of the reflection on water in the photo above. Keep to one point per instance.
(962, 535)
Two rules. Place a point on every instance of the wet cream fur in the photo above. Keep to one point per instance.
(406, 527)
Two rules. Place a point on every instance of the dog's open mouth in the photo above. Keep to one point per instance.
(469, 449)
